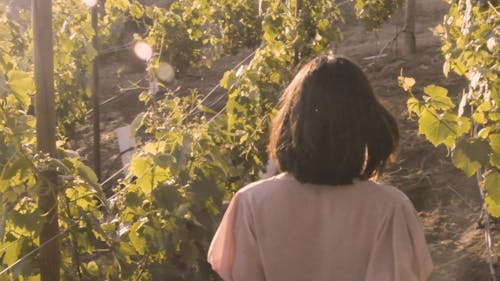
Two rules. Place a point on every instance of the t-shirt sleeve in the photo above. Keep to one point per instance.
(400, 252)
(222, 249)
(233, 252)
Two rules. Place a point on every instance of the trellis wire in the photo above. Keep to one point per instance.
(60, 234)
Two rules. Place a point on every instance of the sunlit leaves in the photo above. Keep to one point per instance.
(228, 79)
(136, 10)
(121, 4)
(492, 187)
(494, 140)
(442, 128)
(469, 41)
(137, 240)
(374, 12)
(22, 85)
(437, 97)
(194, 155)
(414, 105)
(470, 154)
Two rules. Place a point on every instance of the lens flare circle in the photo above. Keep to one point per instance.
(90, 3)
(165, 72)
(143, 50)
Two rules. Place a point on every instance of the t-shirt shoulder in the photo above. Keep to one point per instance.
(392, 193)
(386, 194)
(257, 185)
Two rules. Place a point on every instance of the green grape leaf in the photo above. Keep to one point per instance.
(167, 197)
(22, 85)
(271, 30)
(444, 128)
(495, 159)
(470, 154)
(206, 109)
(479, 117)
(493, 207)
(13, 168)
(495, 147)
(492, 186)
(189, 251)
(142, 167)
(136, 10)
(11, 254)
(126, 250)
(122, 4)
(87, 174)
(228, 79)
(204, 189)
(414, 105)
(438, 97)
(137, 123)
(136, 239)
(495, 142)
(93, 268)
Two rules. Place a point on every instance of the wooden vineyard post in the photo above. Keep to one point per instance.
(95, 95)
(50, 259)
(298, 13)
(409, 45)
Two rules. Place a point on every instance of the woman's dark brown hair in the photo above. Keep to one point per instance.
(330, 128)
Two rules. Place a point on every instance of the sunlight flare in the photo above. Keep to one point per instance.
(143, 50)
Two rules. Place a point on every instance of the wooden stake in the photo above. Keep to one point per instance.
(95, 95)
(50, 259)
(409, 45)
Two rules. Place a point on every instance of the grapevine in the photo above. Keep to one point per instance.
(470, 128)
(192, 157)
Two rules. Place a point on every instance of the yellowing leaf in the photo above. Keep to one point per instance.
(495, 142)
(479, 117)
(438, 30)
(406, 83)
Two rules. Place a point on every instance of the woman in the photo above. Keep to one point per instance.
(322, 218)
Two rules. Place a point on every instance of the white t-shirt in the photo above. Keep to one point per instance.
(281, 230)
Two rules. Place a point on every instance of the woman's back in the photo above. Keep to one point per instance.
(327, 222)
(292, 231)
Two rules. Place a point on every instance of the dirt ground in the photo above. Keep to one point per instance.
(447, 201)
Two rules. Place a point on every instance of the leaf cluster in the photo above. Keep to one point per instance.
(471, 130)
(159, 222)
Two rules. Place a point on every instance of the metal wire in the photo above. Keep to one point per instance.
(60, 234)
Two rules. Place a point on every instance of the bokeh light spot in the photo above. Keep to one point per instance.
(143, 51)
(165, 72)
(90, 3)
